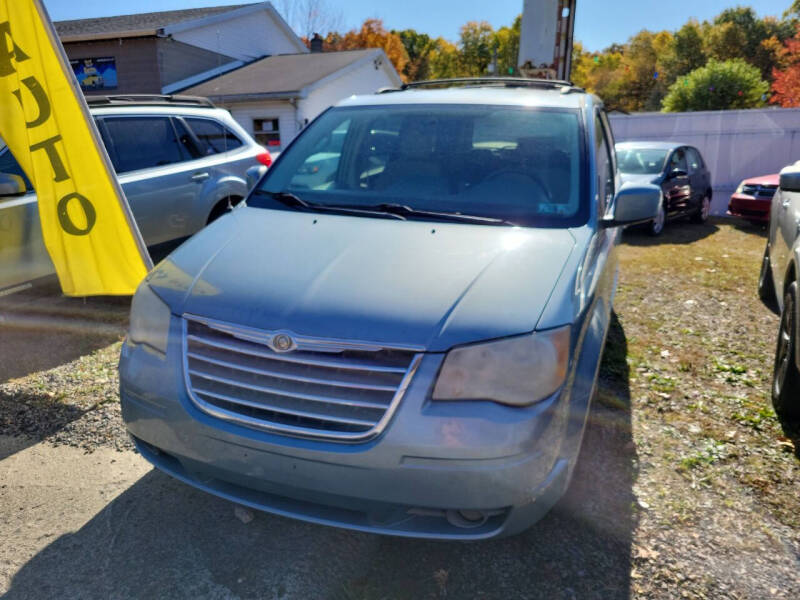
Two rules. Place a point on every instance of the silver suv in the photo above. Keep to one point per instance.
(778, 288)
(181, 162)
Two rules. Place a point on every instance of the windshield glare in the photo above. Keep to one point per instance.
(641, 161)
(517, 164)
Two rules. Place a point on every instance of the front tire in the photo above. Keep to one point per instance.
(702, 214)
(786, 376)
(656, 226)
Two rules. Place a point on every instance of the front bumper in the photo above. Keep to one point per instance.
(512, 464)
(748, 207)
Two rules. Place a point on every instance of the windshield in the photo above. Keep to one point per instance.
(516, 165)
(641, 161)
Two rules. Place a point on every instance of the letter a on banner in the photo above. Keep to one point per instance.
(87, 226)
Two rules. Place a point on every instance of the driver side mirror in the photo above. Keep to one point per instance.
(12, 185)
(634, 204)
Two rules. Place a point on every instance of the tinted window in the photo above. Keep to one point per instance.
(694, 160)
(9, 164)
(678, 161)
(523, 165)
(213, 137)
(142, 142)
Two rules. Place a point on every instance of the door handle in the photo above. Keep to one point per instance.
(785, 203)
(202, 176)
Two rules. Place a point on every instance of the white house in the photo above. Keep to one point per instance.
(244, 57)
(275, 97)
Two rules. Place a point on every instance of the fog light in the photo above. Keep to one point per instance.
(466, 519)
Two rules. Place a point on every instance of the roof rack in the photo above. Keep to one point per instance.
(148, 99)
(565, 86)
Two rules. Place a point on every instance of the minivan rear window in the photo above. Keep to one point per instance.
(519, 164)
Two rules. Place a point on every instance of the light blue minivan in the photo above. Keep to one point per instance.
(400, 330)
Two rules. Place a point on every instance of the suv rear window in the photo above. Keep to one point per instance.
(142, 142)
(214, 138)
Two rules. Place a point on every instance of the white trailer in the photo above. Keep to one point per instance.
(545, 45)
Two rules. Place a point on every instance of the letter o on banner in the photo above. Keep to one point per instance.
(64, 218)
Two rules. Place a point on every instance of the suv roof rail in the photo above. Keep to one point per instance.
(564, 86)
(149, 99)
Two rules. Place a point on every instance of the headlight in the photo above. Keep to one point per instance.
(516, 371)
(739, 189)
(149, 323)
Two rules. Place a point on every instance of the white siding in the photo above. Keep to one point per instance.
(245, 38)
(736, 144)
(244, 113)
(364, 79)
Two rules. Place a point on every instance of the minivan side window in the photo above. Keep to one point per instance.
(214, 138)
(605, 167)
(142, 142)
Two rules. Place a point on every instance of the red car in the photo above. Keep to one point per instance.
(752, 198)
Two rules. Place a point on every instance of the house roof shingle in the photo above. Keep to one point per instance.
(282, 74)
(140, 22)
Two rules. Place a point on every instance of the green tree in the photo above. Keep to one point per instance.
(506, 41)
(686, 53)
(720, 85)
(476, 47)
(418, 47)
(725, 41)
(443, 60)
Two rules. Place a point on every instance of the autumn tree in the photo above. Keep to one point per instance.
(720, 85)
(372, 34)
(786, 80)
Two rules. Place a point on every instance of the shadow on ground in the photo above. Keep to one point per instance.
(41, 329)
(163, 539)
(680, 231)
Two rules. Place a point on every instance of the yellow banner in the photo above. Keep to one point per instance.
(86, 223)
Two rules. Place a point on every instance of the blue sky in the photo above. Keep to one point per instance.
(599, 23)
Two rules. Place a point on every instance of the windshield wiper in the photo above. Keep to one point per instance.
(409, 211)
(294, 201)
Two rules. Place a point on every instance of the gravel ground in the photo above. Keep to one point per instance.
(688, 485)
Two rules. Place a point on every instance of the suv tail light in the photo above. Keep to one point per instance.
(265, 158)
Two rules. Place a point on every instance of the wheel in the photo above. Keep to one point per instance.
(766, 286)
(701, 216)
(786, 377)
(223, 206)
(656, 226)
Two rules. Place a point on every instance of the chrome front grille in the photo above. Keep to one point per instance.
(761, 192)
(322, 388)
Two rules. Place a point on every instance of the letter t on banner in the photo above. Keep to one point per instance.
(87, 225)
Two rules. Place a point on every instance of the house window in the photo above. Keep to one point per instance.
(267, 133)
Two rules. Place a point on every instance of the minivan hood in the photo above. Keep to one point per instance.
(424, 284)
